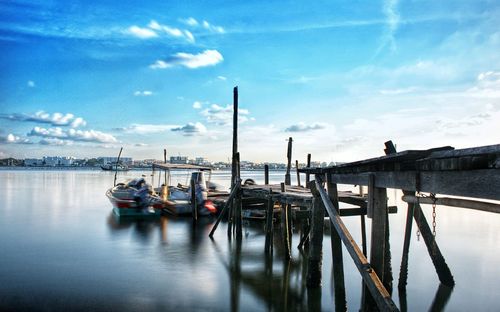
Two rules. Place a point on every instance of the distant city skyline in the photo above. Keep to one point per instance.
(339, 77)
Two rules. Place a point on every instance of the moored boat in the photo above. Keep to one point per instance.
(115, 167)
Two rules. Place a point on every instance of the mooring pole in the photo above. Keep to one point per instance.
(238, 202)
(298, 174)
(269, 223)
(284, 225)
(235, 136)
(308, 165)
(337, 258)
(289, 162)
(266, 174)
(315, 261)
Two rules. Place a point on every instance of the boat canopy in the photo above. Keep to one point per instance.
(181, 167)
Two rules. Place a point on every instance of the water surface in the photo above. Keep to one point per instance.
(61, 248)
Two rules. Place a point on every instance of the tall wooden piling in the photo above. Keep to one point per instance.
(266, 174)
(288, 180)
(298, 173)
(308, 165)
(235, 135)
(238, 202)
(269, 223)
(194, 205)
(337, 258)
(285, 229)
(315, 261)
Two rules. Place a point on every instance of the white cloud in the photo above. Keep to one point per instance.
(190, 21)
(13, 139)
(147, 128)
(224, 115)
(73, 135)
(203, 59)
(55, 142)
(143, 93)
(302, 127)
(392, 21)
(191, 129)
(56, 119)
(197, 105)
(222, 78)
(213, 28)
(140, 144)
(31, 83)
(143, 33)
(157, 29)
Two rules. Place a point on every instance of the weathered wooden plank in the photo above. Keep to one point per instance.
(455, 202)
(483, 183)
(374, 285)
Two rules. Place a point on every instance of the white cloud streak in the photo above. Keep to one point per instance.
(224, 115)
(146, 128)
(192, 61)
(13, 139)
(302, 127)
(155, 29)
(143, 93)
(191, 129)
(142, 33)
(56, 119)
(73, 135)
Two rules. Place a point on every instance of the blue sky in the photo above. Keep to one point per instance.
(82, 78)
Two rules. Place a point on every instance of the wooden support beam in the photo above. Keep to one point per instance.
(269, 224)
(403, 272)
(337, 258)
(229, 201)
(288, 180)
(442, 269)
(235, 135)
(455, 202)
(481, 183)
(315, 260)
(382, 297)
(266, 174)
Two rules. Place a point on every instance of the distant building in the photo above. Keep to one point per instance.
(58, 161)
(178, 159)
(200, 161)
(108, 160)
(33, 162)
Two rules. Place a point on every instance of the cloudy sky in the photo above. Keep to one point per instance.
(82, 78)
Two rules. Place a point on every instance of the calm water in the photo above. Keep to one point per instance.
(62, 249)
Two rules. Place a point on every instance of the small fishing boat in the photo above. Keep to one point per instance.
(134, 198)
(115, 167)
(137, 198)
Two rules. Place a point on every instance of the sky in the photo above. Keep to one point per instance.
(84, 78)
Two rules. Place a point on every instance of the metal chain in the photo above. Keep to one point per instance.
(433, 196)
(418, 230)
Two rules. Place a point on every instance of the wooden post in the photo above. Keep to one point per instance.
(289, 162)
(266, 174)
(193, 200)
(373, 283)
(165, 161)
(269, 223)
(298, 174)
(235, 135)
(378, 206)
(284, 225)
(337, 258)
(315, 261)
(238, 203)
(308, 165)
(403, 272)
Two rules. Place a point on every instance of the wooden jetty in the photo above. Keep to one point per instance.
(420, 174)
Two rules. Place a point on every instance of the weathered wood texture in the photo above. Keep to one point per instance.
(229, 202)
(298, 173)
(315, 259)
(455, 202)
(288, 180)
(266, 174)
(373, 283)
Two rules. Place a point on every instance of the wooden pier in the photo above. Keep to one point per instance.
(420, 174)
